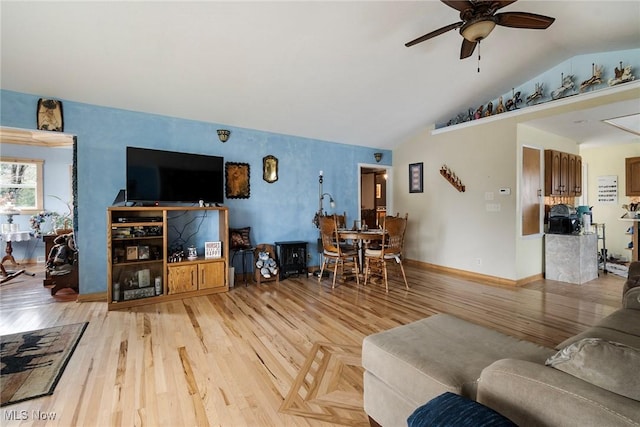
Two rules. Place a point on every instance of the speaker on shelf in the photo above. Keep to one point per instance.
(121, 198)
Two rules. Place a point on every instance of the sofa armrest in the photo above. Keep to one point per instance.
(631, 296)
(634, 269)
(631, 290)
(532, 394)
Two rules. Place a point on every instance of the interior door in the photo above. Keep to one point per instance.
(531, 191)
(374, 193)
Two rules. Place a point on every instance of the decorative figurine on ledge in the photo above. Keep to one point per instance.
(595, 78)
(567, 84)
(500, 108)
(489, 111)
(537, 94)
(623, 75)
(478, 114)
(512, 104)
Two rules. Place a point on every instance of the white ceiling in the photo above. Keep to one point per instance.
(329, 70)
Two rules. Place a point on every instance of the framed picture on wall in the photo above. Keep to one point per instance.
(50, 115)
(415, 178)
(237, 180)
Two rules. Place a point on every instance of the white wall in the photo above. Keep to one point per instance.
(603, 161)
(455, 229)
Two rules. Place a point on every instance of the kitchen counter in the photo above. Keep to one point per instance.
(571, 258)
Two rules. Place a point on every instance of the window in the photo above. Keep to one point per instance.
(21, 183)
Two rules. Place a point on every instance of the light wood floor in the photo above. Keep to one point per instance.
(230, 359)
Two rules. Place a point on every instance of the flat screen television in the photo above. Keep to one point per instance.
(157, 176)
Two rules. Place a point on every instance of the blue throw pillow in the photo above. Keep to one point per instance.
(452, 410)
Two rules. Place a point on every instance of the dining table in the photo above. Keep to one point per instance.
(362, 238)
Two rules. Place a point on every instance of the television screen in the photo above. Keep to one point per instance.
(168, 176)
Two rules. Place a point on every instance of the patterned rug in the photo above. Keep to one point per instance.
(329, 386)
(32, 362)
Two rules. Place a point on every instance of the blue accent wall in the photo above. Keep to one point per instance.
(283, 210)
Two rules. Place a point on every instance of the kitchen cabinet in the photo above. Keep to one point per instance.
(632, 175)
(563, 174)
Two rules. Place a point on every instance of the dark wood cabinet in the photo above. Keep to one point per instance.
(632, 178)
(563, 174)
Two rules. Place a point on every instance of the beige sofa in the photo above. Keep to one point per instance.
(595, 381)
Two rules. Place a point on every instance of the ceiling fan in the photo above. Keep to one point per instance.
(479, 18)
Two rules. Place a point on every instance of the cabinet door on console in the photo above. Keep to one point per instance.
(183, 278)
(211, 275)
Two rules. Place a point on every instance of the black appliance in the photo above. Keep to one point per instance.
(563, 220)
(168, 176)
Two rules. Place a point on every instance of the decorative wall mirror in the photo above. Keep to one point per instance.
(270, 169)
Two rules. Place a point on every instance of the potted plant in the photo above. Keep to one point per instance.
(63, 223)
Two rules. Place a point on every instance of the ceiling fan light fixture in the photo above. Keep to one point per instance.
(477, 31)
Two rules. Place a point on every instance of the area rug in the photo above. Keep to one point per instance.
(329, 386)
(32, 362)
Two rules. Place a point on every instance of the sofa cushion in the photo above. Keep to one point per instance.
(605, 334)
(441, 353)
(609, 365)
(621, 326)
(452, 410)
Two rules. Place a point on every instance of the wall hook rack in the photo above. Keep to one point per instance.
(452, 178)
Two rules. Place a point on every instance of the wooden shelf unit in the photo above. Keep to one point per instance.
(147, 237)
(635, 236)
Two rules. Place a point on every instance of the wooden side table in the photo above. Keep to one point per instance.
(15, 236)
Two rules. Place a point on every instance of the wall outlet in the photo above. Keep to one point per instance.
(478, 261)
(492, 207)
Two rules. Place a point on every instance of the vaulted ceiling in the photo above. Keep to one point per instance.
(328, 70)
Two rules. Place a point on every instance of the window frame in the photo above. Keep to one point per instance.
(39, 163)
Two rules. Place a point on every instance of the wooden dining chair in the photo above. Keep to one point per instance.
(341, 220)
(390, 251)
(335, 253)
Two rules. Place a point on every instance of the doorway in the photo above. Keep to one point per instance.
(375, 193)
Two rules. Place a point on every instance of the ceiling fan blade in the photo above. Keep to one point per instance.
(434, 33)
(523, 20)
(459, 5)
(467, 48)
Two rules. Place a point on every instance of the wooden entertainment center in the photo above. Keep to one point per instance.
(139, 270)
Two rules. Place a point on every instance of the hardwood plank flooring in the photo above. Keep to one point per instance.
(231, 359)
